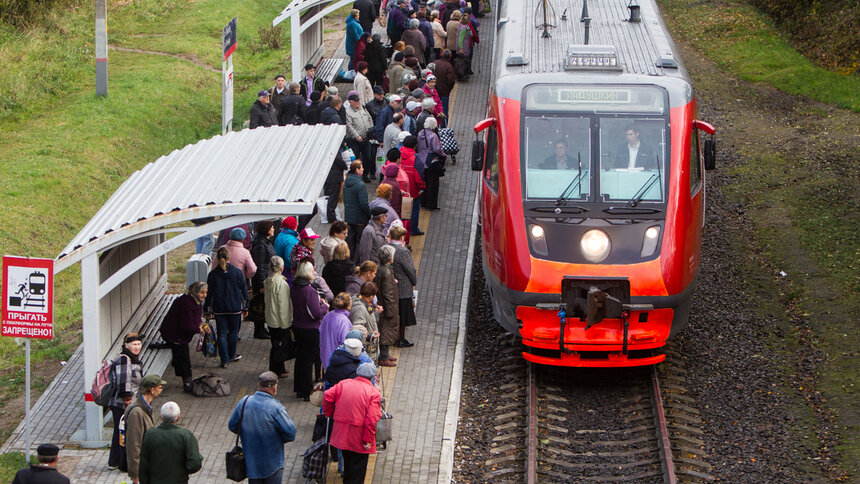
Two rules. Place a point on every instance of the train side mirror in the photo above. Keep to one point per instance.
(710, 153)
(710, 147)
(477, 155)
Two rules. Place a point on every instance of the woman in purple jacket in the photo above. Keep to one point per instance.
(334, 327)
(308, 309)
(182, 322)
(429, 143)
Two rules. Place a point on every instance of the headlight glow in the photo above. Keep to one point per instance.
(537, 231)
(649, 242)
(652, 232)
(595, 245)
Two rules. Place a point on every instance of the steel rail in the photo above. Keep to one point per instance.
(662, 431)
(531, 458)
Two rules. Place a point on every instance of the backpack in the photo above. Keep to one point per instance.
(104, 387)
(210, 386)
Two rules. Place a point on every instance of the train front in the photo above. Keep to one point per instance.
(592, 207)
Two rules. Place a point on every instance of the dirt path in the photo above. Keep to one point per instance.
(797, 416)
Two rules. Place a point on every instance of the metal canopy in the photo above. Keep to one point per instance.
(261, 172)
(293, 11)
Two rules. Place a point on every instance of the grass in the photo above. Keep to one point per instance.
(744, 41)
(66, 150)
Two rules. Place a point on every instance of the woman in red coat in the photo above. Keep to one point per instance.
(416, 183)
(355, 406)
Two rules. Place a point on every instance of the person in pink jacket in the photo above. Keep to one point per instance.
(355, 406)
(240, 257)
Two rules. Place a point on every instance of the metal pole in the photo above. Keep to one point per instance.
(101, 48)
(27, 400)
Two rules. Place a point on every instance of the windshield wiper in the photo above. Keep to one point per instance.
(572, 209)
(630, 210)
(562, 199)
(637, 197)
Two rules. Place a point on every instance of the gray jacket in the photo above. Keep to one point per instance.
(404, 271)
(358, 123)
(372, 239)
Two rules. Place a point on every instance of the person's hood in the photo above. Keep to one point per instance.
(298, 281)
(351, 20)
(341, 357)
(352, 180)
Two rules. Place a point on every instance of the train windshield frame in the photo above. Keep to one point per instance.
(572, 132)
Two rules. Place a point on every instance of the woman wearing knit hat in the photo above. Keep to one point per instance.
(284, 242)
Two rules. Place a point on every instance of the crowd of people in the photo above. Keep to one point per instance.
(338, 320)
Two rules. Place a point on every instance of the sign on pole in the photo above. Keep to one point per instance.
(228, 47)
(28, 297)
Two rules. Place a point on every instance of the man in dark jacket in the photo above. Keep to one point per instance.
(262, 251)
(377, 60)
(45, 472)
(313, 113)
(279, 91)
(396, 22)
(446, 77)
(366, 14)
(330, 114)
(386, 114)
(169, 452)
(138, 420)
(315, 84)
(331, 187)
(356, 211)
(292, 108)
(262, 112)
(375, 105)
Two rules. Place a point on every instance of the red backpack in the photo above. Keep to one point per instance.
(104, 387)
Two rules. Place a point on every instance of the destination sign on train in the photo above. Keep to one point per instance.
(614, 96)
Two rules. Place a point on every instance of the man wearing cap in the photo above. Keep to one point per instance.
(389, 138)
(386, 114)
(291, 111)
(376, 104)
(410, 123)
(279, 91)
(137, 420)
(310, 84)
(396, 22)
(359, 129)
(373, 236)
(265, 428)
(45, 472)
(355, 406)
(169, 453)
(262, 112)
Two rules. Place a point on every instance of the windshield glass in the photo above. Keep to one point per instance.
(558, 150)
(632, 159)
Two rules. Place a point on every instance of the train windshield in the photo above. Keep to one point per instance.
(617, 135)
(559, 154)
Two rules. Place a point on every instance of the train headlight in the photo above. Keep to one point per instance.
(649, 242)
(538, 239)
(595, 245)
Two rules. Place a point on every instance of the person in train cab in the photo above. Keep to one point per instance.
(559, 160)
(310, 84)
(263, 114)
(634, 153)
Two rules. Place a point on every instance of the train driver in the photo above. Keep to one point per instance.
(559, 160)
(634, 154)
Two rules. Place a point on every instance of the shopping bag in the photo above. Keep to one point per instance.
(406, 208)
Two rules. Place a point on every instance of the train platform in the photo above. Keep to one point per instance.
(422, 391)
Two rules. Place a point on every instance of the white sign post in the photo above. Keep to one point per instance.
(28, 312)
(228, 47)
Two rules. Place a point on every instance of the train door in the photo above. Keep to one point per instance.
(491, 205)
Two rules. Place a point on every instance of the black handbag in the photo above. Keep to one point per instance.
(286, 350)
(236, 456)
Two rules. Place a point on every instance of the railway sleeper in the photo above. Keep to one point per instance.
(491, 476)
(686, 428)
(636, 477)
(669, 404)
(503, 448)
(509, 415)
(501, 460)
(625, 453)
(684, 417)
(692, 473)
(685, 450)
(602, 465)
(688, 439)
(693, 462)
(618, 443)
(504, 437)
(679, 396)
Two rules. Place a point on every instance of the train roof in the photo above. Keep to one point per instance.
(641, 48)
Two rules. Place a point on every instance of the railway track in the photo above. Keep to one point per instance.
(564, 425)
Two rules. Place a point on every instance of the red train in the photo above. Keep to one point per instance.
(592, 193)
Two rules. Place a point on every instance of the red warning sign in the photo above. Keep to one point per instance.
(28, 297)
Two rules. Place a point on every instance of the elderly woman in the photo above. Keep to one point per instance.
(388, 297)
(366, 273)
(340, 267)
(416, 183)
(305, 248)
(430, 144)
(439, 34)
(383, 199)
(451, 30)
(430, 92)
(334, 327)
(353, 33)
(227, 300)
(127, 373)
(391, 171)
(365, 313)
(308, 309)
(336, 234)
(182, 322)
(464, 42)
(416, 39)
(404, 272)
(279, 312)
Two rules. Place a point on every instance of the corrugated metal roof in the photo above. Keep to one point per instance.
(297, 6)
(638, 45)
(263, 170)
